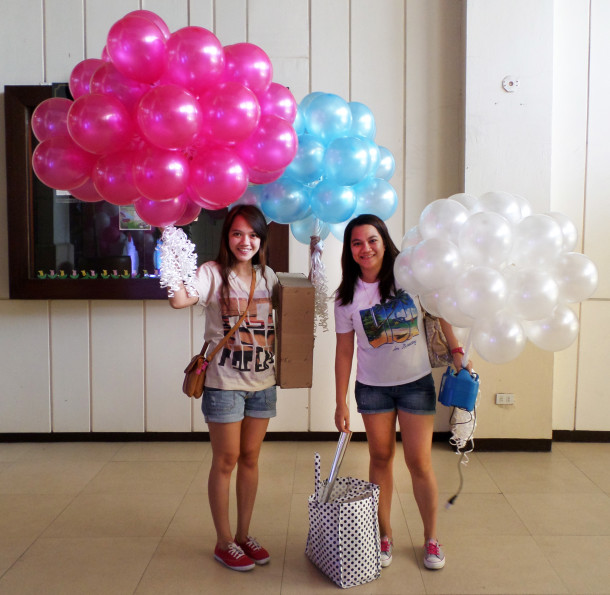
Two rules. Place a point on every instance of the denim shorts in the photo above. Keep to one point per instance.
(417, 397)
(226, 406)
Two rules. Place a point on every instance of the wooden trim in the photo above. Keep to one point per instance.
(580, 436)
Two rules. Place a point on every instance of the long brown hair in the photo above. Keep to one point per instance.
(350, 269)
(226, 259)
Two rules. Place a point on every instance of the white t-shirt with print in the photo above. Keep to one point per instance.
(247, 361)
(390, 336)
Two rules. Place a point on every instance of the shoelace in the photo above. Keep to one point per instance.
(255, 545)
(432, 548)
(386, 545)
(235, 551)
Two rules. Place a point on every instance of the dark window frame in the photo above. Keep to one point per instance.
(19, 103)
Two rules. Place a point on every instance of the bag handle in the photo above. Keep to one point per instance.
(235, 327)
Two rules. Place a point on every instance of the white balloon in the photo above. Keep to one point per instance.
(435, 263)
(499, 339)
(556, 332)
(442, 218)
(524, 205)
(480, 292)
(448, 308)
(533, 293)
(429, 302)
(577, 277)
(411, 238)
(568, 230)
(503, 203)
(403, 273)
(486, 239)
(468, 200)
(537, 241)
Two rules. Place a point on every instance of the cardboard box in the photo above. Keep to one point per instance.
(295, 309)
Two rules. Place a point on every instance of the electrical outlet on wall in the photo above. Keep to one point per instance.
(505, 399)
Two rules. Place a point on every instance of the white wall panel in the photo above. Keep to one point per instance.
(330, 47)
(100, 15)
(197, 317)
(434, 106)
(175, 13)
(593, 404)
(201, 13)
(64, 40)
(70, 378)
(570, 105)
(597, 211)
(24, 367)
(117, 366)
(286, 35)
(168, 351)
(231, 24)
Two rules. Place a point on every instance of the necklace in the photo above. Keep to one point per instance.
(371, 291)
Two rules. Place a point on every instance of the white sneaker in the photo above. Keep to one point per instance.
(386, 551)
(434, 558)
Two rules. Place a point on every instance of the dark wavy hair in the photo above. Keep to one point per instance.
(350, 270)
(226, 259)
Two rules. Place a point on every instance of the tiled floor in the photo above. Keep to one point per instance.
(115, 518)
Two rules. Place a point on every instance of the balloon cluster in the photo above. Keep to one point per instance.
(338, 171)
(168, 122)
(488, 264)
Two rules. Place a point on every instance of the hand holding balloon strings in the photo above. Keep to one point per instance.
(178, 261)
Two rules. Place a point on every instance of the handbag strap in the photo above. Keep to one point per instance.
(235, 327)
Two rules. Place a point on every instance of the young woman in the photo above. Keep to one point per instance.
(239, 395)
(393, 377)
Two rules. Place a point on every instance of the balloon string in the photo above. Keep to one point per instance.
(317, 276)
(467, 347)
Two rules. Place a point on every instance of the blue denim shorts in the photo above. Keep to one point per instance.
(417, 397)
(226, 406)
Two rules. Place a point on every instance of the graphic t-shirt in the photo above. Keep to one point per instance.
(247, 360)
(390, 336)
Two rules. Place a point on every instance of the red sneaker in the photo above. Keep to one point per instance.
(233, 558)
(254, 550)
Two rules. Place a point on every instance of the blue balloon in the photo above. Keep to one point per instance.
(328, 116)
(299, 122)
(376, 197)
(252, 196)
(347, 160)
(338, 229)
(333, 203)
(303, 229)
(363, 122)
(375, 155)
(387, 165)
(285, 200)
(308, 99)
(307, 165)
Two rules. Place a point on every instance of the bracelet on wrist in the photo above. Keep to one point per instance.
(457, 350)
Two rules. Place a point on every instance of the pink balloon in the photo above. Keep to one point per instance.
(107, 80)
(86, 192)
(230, 112)
(154, 18)
(169, 117)
(105, 56)
(190, 214)
(196, 59)
(100, 123)
(219, 176)
(271, 146)
(161, 213)
(60, 163)
(264, 177)
(137, 48)
(50, 118)
(278, 101)
(160, 174)
(81, 76)
(249, 65)
(113, 177)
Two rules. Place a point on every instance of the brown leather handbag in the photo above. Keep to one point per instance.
(194, 373)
